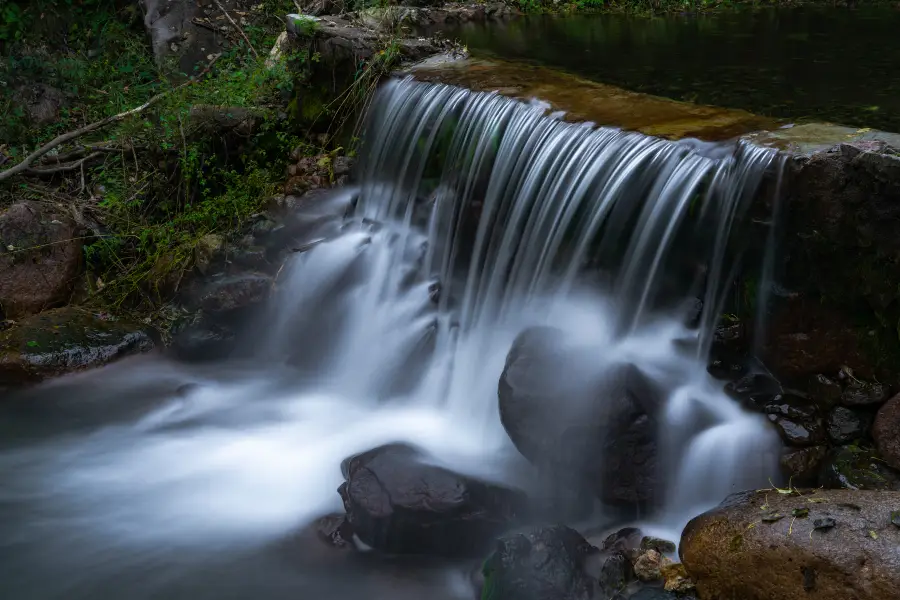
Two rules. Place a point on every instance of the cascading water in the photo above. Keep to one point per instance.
(476, 216)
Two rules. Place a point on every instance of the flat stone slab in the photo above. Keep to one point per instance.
(810, 138)
(584, 100)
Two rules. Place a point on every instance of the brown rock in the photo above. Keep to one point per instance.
(676, 578)
(648, 566)
(801, 465)
(729, 552)
(40, 259)
(886, 431)
(63, 341)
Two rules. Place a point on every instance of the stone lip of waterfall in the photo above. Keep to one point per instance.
(585, 100)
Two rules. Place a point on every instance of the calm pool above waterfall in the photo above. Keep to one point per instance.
(837, 65)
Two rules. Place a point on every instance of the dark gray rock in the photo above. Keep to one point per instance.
(584, 427)
(824, 391)
(859, 393)
(335, 531)
(845, 425)
(544, 563)
(67, 340)
(755, 391)
(397, 504)
(204, 340)
(227, 294)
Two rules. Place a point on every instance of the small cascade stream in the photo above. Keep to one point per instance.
(475, 217)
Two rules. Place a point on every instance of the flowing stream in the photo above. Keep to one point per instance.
(475, 216)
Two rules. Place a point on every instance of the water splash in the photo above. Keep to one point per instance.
(476, 216)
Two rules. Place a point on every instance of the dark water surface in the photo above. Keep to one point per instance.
(836, 64)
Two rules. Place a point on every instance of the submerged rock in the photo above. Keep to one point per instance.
(728, 553)
(586, 428)
(544, 563)
(66, 340)
(40, 258)
(886, 432)
(854, 468)
(397, 504)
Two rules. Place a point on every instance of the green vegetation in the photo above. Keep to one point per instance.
(658, 6)
(201, 160)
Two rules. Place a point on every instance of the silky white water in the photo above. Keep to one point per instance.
(475, 217)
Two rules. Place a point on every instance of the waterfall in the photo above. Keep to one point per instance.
(475, 217)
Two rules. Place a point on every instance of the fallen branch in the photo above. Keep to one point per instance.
(63, 168)
(79, 153)
(26, 163)
(236, 26)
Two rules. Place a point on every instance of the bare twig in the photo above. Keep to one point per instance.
(26, 163)
(236, 26)
(63, 168)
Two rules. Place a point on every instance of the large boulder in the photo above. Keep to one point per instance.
(824, 544)
(66, 340)
(544, 563)
(886, 432)
(40, 258)
(577, 423)
(398, 504)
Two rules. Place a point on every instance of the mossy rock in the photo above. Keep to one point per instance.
(66, 340)
(856, 468)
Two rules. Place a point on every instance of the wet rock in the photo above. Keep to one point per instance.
(335, 531)
(676, 579)
(802, 465)
(824, 391)
(726, 364)
(205, 340)
(855, 468)
(886, 431)
(66, 340)
(648, 566)
(40, 259)
(627, 541)
(397, 504)
(615, 573)
(582, 426)
(845, 425)
(799, 433)
(660, 545)
(231, 293)
(727, 556)
(754, 391)
(859, 393)
(543, 563)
